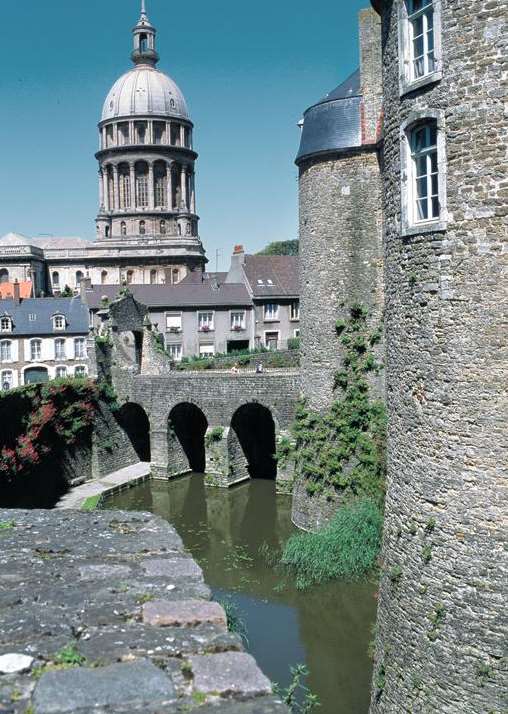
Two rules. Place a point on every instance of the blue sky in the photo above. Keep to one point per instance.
(247, 70)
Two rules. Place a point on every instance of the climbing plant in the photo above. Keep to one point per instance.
(343, 449)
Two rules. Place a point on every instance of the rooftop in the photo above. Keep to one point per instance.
(273, 275)
(34, 316)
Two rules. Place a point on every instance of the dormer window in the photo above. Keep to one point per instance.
(5, 324)
(58, 322)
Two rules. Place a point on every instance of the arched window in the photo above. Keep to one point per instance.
(142, 228)
(141, 127)
(6, 351)
(55, 279)
(130, 276)
(123, 228)
(104, 277)
(161, 184)
(179, 229)
(143, 43)
(141, 184)
(159, 132)
(4, 275)
(175, 276)
(5, 324)
(35, 350)
(163, 228)
(79, 274)
(106, 231)
(124, 181)
(153, 277)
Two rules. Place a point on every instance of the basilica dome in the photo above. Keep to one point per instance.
(144, 90)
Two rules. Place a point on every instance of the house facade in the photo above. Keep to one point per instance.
(42, 339)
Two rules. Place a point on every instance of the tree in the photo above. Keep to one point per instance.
(281, 247)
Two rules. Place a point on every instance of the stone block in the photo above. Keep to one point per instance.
(13, 663)
(173, 568)
(229, 674)
(184, 613)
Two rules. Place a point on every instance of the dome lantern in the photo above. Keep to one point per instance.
(144, 33)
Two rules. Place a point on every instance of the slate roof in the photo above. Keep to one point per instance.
(185, 294)
(273, 275)
(73, 309)
(334, 123)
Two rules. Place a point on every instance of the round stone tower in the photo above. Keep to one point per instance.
(340, 213)
(146, 160)
(441, 609)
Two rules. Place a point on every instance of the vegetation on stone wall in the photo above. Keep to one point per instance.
(242, 358)
(60, 412)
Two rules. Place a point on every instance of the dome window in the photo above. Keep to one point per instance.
(143, 43)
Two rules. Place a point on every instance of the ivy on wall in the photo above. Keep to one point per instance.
(343, 450)
(61, 412)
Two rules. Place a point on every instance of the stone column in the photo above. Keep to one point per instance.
(182, 135)
(150, 132)
(131, 132)
(105, 176)
(132, 172)
(116, 188)
(151, 196)
(159, 451)
(168, 132)
(183, 187)
(101, 190)
(169, 186)
(193, 192)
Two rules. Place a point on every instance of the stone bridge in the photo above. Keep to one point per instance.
(223, 424)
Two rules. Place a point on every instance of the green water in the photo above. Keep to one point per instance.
(328, 627)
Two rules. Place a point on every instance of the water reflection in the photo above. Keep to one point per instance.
(328, 627)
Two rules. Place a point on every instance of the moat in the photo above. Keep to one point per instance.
(328, 628)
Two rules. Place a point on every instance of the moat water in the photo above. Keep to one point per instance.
(328, 628)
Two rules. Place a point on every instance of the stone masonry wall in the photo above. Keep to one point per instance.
(341, 258)
(441, 621)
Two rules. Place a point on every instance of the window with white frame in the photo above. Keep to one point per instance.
(61, 372)
(296, 332)
(206, 350)
(35, 350)
(79, 348)
(59, 322)
(295, 310)
(420, 41)
(424, 189)
(271, 311)
(174, 321)
(6, 380)
(5, 324)
(32, 317)
(6, 351)
(238, 320)
(60, 349)
(80, 371)
(205, 321)
(175, 352)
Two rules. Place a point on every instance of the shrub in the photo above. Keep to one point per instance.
(346, 548)
(214, 435)
(294, 343)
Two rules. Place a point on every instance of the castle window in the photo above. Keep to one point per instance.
(59, 322)
(123, 228)
(6, 351)
(79, 348)
(35, 350)
(142, 228)
(419, 42)
(5, 324)
(60, 349)
(6, 381)
(423, 180)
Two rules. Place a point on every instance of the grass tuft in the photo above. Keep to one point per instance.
(347, 548)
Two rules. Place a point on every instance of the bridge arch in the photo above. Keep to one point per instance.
(133, 419)
(253, 427)
(187, 427)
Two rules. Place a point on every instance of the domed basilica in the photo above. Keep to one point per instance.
(147, 225)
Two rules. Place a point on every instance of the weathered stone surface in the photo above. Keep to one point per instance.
(229, 673)
(73, 588)
(13, 663)
(73, 689)
(184, 613)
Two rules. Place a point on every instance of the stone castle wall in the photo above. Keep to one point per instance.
(340, 218)
(439, 641)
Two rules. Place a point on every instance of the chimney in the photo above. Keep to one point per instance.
(16, 294)
(84, 285)
(371, 75)
(235, 274)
